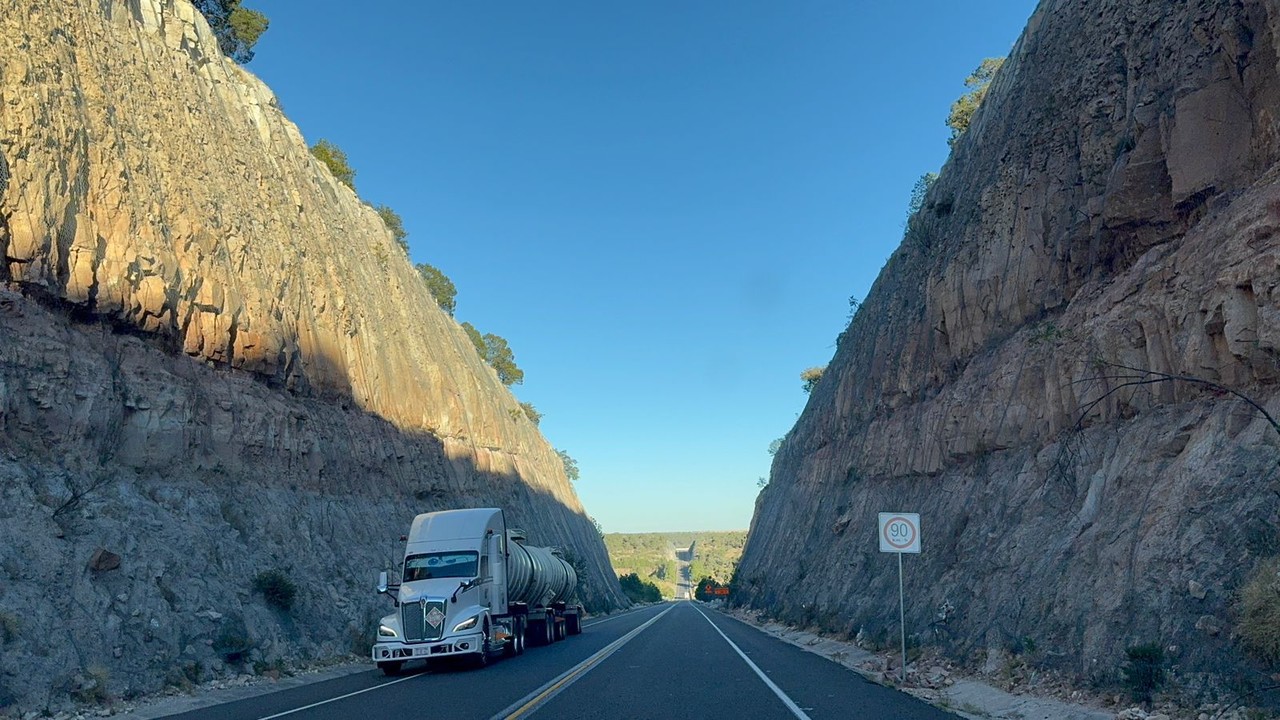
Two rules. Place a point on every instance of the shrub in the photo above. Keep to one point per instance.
(1259, 626)
(446, 296)
(276, 588)
(531, 412)
(333, 158)
(638, 590)
(918, 191)
(963, 109)
(474, 336)
(236, 28)
(811, 376)
(232, 645)
(248, 26)
(395, 225)
(499, 356)
(1144, 670)
(570, 466)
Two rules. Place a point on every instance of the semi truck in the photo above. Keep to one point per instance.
(471, 589)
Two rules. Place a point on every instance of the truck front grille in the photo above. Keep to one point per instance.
(413, 618)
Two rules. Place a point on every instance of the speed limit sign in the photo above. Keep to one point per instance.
(900, 532)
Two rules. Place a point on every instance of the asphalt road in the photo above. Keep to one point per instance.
(675, 660)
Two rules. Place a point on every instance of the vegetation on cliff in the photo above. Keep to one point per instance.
(332, 157)
(637, 590)
(236, 27)
(963, 109)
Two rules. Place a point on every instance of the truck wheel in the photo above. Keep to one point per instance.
(520, 637)
(573, 623)
(550, 626)
(482, 658)
(391, 669)
(560, 629)
(512, 647)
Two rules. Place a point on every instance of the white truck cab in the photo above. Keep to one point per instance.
(470, 587)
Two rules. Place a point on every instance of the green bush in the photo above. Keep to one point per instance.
(475, 337)
(639, 591)
(395, 225)
(248, 26)
(531, 412)
(499, 356)
(1144, 670)
(276, 588)
(333, 158)
(446, 296)
(1259, 626)
(963, 109)
(570, 466)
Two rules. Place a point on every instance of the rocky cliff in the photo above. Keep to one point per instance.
(214, 361)
(1113, 212)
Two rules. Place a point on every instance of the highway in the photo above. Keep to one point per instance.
(674, 660)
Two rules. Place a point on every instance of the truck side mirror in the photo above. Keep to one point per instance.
(382, 582)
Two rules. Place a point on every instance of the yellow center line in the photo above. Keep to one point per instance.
(539, 697)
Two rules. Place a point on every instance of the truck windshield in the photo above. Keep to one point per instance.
(440, 565)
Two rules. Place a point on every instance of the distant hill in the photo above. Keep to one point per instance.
(652, 556)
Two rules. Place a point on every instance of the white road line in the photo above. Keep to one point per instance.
(340, 697)
(795, 709)
(536, 699)
(614, 617)
(411, 677)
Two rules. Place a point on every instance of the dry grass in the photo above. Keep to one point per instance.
(1260, 612)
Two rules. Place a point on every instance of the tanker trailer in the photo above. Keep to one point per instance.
(471, 588)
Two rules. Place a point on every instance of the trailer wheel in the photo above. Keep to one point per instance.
(391, 669)
(520, 636)
(561, 630)
(573, 623)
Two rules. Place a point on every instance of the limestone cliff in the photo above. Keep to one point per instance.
(214, 360)
(1115, 204)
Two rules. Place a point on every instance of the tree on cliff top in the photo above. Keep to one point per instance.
(236, 28)
(445, 294)
(336, 160)
(499, 356)
(962, 109)
(570, 466)
(811, 376)
(395, 224)
(495, 351)
(474, 335)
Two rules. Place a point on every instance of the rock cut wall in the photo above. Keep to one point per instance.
(1115, 204)
(214, 361)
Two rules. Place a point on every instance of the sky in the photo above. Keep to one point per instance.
(663, 206)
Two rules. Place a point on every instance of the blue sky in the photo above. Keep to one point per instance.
(664, 207)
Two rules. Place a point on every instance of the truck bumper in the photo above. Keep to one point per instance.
(457, 645)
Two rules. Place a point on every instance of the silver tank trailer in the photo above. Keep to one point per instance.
(536, 575)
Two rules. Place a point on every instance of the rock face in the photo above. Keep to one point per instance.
(1115, 204)
(214, 361)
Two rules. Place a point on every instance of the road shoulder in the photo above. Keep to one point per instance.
(966, 697)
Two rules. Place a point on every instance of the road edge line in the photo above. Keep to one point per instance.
(791, 705)
(536, 699)
(340, 697)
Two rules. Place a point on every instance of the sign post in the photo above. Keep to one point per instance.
(900, 533)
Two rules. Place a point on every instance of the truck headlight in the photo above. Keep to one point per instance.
(384, 631)
(467, 624)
